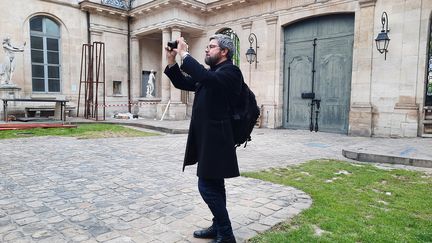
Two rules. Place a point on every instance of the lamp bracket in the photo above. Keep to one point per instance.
(384, 22)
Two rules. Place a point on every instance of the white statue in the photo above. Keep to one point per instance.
(150, 85)
(9, 65)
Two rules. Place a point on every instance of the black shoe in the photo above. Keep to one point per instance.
(209, 233)
(221, 239)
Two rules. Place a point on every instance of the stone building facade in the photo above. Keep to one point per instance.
(308, 52)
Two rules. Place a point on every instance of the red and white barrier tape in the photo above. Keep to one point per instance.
(125, 105)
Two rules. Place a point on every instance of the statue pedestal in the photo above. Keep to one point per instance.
(9, 91)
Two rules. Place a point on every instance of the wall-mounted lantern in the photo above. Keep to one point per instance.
(382, 40)
(251, 54)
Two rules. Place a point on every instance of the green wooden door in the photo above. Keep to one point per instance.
(323, 68)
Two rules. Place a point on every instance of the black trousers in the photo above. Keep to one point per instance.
(213, 193)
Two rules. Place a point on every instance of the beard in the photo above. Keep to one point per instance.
(212, 60)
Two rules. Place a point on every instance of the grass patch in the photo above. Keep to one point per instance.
(354, 203)
(83, 131)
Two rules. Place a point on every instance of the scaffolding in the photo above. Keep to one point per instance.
(92, 77)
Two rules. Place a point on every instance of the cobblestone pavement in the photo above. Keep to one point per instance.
(281, 147)
(119, 190)
(123, 190)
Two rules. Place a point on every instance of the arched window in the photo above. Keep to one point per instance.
(45, 54)
(234, 37)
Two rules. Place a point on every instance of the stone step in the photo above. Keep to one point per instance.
(365, 156)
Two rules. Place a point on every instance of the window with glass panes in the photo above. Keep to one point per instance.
(45, 54)
(236, 40)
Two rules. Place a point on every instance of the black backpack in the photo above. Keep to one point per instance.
(244, 116)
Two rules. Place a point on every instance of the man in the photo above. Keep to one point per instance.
(210, 140)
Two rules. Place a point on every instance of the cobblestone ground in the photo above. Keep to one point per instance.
(131, 190)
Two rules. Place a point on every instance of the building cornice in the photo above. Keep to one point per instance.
(150, 7)
(246, 25)
(271, 19)
(64, 3)
(103, 9)
(192, 5)
(367, 3)
(226, 4)
(171, 23)
(201, 8)
(147, 8)
(269, 16)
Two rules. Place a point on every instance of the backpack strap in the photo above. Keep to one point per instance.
(227, 96)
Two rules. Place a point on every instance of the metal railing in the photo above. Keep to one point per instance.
(122, 4)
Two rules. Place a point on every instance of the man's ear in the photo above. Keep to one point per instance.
(224, 52)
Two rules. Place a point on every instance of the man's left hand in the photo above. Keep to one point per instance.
(182, 47)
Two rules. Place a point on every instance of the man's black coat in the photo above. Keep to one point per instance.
(210, 139)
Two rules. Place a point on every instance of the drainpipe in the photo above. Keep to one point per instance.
(129, 64)
(129, 8)
(88, 27)
(88, 94)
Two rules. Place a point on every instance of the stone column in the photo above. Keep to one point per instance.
(271, 22)
(246, 68)
(405, 117)
(269, 111)
(165, 82)
(135, 68)
(176, 110)
(175, 93)
(360, 116)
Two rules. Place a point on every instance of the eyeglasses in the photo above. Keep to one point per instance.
(211, 47)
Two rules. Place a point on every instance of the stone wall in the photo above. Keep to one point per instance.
(73, 33)
(386, 96)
